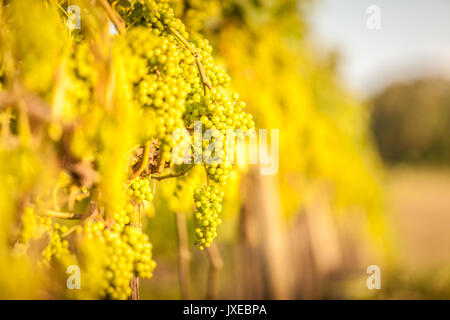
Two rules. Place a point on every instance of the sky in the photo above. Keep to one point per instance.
(413, 39)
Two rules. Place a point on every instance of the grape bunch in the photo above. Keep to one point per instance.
(143, 265)
(155, 15)
(140, 189)
(208, 202)
(35, 227)
(219, 172)
(57, 246)
(83, 77)
(122, 215)
(158, 86)
(127, 253)
(183, 86)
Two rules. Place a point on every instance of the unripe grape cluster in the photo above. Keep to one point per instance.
(159, 88)
(140, 189)
(156, 15)
(184, 85)
(143, 265)
(37, 227)
(219, 111)
(128, 253)
(83, 77)
(78, 103)
(122, 216)
(218, 172)
(208, 202)
(119, 266)
(57, 246)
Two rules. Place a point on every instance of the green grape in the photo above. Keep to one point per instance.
(208, 202)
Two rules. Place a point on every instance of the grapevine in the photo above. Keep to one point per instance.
(104, 142)
(143, 84)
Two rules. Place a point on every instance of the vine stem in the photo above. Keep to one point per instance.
(170, 175)
(61, 215)
(113, 16)
(183, 255)
(134, 283)
(216, 263)
(196, 57)
(206, 175)
(92, 214)
(144, 161)
(61, 8)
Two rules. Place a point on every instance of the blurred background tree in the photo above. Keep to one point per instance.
(411, 122)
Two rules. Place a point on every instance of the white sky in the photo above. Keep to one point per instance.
(414, 39)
